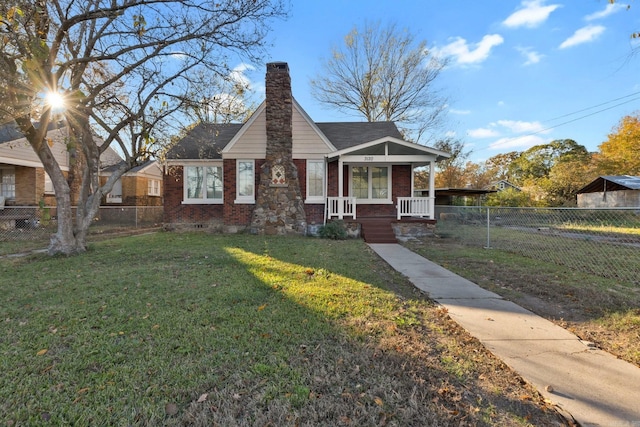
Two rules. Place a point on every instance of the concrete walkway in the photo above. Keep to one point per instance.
(596, 388)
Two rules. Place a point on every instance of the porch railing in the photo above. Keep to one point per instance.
(339, 207)
(415, 207)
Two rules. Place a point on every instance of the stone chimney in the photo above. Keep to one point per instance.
(279, 204)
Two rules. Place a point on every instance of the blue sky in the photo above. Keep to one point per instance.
(522, 73)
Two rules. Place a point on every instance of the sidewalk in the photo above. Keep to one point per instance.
(596, 388)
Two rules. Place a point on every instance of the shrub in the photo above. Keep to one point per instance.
(333, 230)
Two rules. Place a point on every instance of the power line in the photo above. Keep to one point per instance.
(578, 118)
(594, 106)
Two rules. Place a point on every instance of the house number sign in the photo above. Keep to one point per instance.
(368, 158)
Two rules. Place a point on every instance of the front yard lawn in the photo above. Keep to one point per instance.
(194, 329)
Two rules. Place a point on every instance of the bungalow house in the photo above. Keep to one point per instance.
(281, 172)
(610, 191)
(24, 182)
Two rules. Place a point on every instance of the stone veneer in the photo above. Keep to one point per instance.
(279, 207)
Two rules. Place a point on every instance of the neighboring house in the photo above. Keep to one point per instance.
(24, 182)
(281, 172)
(611, 191)
(140, 186)
(503, 184)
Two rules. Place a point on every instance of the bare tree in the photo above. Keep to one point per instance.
(223, 99)
(120, 66)
(383, 74)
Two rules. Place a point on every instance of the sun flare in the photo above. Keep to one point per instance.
(55, 100)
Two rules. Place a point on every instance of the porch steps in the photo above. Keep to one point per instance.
(377, 230)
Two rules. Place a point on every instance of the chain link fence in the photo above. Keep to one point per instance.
(25, 228)
(602, 242)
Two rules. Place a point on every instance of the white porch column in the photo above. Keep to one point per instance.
(340, 178)
(413, 179)
(432, 189)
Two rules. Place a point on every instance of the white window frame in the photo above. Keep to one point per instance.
(202, 200)
(8, 185)
(153, 187)
(315, 198)
(245, 198)
(369, 200)
(48, 185)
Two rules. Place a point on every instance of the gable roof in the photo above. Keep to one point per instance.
(612, 183)
(205, 141)
(349, 134)
(11, 131)
(208, 140)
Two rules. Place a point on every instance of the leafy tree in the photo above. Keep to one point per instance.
(383, 74)
(618, 155)
(450, 172)
(537, 161)
(499, 165)
(120, 66)
(509, 197)
(544, 171)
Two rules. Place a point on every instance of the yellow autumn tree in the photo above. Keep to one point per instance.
(619, 154)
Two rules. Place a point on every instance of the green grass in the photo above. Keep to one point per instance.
(195, 329)
(601, 309)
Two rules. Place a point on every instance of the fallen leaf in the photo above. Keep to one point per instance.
(203, 397)
(262, 307)
(171, 409)
(378, 401)
(42, 352)
(490, 319)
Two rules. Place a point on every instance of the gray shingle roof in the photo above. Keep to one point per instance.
(205, 141)
(11, 132)
(349, 134)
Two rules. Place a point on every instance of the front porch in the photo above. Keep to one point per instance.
(406, 207)
(388, 229)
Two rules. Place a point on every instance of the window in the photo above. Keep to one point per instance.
(153, 187)
(48, 184)
(315, 181)
(370, 183)
(8, 183)
(202, 184)
(245, 181)
(115, 196)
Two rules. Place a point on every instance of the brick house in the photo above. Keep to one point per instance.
(24, 182)
(281, 172)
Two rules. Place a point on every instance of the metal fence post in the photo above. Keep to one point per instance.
(488, 229)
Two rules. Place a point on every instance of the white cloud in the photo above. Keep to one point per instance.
(519, 126)
(524, 142)
(465, 53)
(531, 56)
(532, 14)
(609, 10)
(238, 74)
(583, 35)
(483, 133)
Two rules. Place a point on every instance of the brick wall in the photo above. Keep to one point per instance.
(175, 211)
(27, 185)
